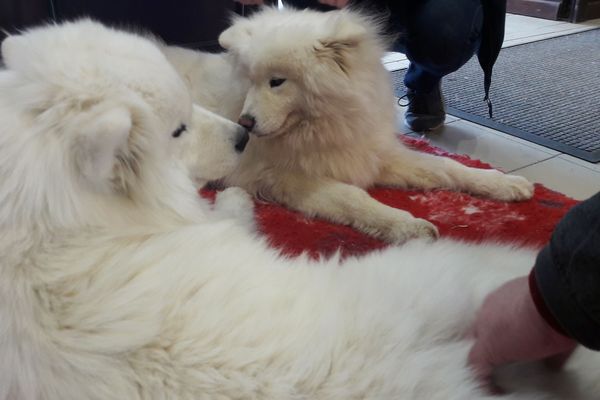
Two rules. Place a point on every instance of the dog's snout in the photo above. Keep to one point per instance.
(247, 121)
(242, 140)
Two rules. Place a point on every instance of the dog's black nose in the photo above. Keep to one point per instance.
(242, 140)
(247, 121)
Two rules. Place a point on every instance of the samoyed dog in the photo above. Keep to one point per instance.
(117, 281)
(321, 112)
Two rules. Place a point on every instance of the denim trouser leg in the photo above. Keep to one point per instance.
(440, 37)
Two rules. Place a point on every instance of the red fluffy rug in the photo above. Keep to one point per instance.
(457, 215)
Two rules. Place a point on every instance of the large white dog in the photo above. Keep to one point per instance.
(118, 282)
(321, 110)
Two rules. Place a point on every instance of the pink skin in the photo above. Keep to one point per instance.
(333, 3)
(508, 328)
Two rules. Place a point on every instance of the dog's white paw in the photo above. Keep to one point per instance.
(404, 230)
(510, 187)
(235, 202)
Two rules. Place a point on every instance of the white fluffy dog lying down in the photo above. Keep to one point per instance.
(118, 282)
(321, 111)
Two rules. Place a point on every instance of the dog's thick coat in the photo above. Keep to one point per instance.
(323, 117)
(118, 282)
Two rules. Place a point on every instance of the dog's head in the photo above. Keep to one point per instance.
(301, 63)
(212, 147)
(87, 109)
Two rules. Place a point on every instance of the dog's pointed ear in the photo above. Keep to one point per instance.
(346, 33)
(13, 50)
(236, 36)
(104, 134)
(346, 28)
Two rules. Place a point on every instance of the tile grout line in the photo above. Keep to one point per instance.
(534, 163)
(454, 120)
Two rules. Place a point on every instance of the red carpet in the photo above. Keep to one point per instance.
(456, 215)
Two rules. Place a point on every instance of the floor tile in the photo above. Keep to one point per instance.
(396, 65)
(521, 29)
(393, 56)
(451, 118)
(564, 176)
(580, 162)
(523, 142)
(482, 143)
(540, 36)
(520, 25)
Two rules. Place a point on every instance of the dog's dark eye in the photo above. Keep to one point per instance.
(182, 128)
(276, 82)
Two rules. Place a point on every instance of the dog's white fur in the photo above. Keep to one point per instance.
(215, 80)
(328, 131)
(118, 282)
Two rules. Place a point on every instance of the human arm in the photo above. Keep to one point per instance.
(547, 314)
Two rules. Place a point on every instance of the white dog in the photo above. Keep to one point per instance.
(118, 282)
(321, 110)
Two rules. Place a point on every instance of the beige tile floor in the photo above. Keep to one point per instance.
(569, 175)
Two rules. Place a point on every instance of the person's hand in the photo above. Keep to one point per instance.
(335, 3)
(250, 2)
(508, 328)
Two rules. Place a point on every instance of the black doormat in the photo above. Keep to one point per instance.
(546, 92)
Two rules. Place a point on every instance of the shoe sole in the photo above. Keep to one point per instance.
(423, 129)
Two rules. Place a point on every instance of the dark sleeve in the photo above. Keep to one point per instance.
(567, 272)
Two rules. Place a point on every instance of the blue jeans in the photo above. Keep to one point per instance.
(437, 36)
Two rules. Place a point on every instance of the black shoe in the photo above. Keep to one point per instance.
(426, 111)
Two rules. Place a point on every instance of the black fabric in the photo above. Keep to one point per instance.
(189, 23)
(492, 36)
(567, 271)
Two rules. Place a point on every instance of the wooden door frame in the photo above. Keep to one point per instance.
(565, 10)
(547, 9)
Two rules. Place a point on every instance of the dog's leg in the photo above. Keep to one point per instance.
(412, 169)
(350, 205)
